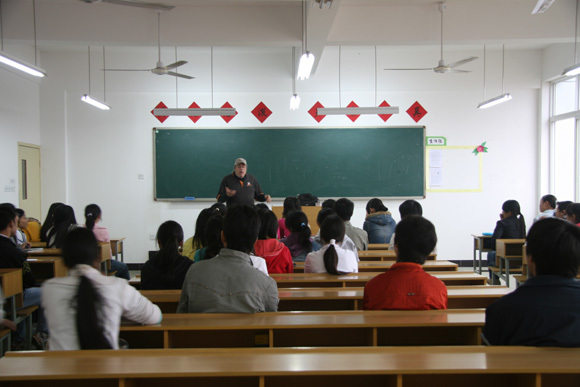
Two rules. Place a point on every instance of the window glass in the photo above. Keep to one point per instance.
(564, 96)
(564, 159)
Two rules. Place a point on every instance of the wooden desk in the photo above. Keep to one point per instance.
(382, 266)
(307, 329)
(311, 213)
(384, 255)
(451, 366)
(508, 251)
(478, 242)
(38, 244)
(46, 267)
(318, 299)
(378, 246)
(117, 249)
(314, 280)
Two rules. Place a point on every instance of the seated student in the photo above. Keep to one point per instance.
(544, 311)
(406, 286)
(212, 239)
(511, 225)
(93, 215)
(13, 257)
(21, 239)
(64, 221)
(299, 242)
(166, 269)
(346, 243)
(573, 213)
(195, 242)
(331, 258)
(561, 209)
(547, 207)
(229, 283)
(219, 208)
(344, 209)
(379, 224)
(32, 229)
(291, 203)
(328, 203)
(408, 207)
(48, 221)
(277, 256)
(84, 310)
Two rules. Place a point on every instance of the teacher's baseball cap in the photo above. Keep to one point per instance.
(240, 161)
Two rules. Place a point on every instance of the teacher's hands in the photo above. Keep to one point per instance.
(268, 198)
(231, 192)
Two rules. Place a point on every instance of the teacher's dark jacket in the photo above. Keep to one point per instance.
(247, 190)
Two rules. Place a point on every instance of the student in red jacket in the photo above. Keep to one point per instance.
(406, 286)
(277, 256)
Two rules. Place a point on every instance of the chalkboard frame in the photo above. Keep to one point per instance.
(212, 199)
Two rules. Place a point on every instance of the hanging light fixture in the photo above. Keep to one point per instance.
(87, 97)
(504, 97)
(15, 62)
(307, 58)
(295, 99)
(575, 69)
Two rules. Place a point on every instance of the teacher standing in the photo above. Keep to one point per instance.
(240, 187)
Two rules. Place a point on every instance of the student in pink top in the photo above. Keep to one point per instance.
(291, 203)
(93, 215)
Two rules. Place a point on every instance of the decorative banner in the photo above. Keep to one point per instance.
(353, 117)
(480, 149)
(385, 117)
(261, 112)
(228, 118)
(194, 118)
(416, 111)
(314, 111)
(160, 105)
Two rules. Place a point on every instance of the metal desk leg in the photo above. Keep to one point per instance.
(507, 272)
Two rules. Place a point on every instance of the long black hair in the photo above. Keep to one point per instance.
(81, 247)
(202, 218)
(48, 221)
(297, 222)
(514, 207)
(64, 218)
(212, 236)
(332, 227)
(169, 237)
(92, 213)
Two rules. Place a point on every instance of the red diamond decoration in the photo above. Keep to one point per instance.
(194, 118)
(228, 118)
(353, 117)
(416, 111)
(261, 112)
(314, 111)
(160, 105)
(385, 117)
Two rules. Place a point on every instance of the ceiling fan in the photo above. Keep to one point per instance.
(134, 3)
(160, 68)
(443, 67)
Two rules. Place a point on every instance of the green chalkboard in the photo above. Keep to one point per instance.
(327, 162)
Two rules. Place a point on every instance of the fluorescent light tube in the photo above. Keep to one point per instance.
(195, 112)
(21, 65)
(294, 102)
(358, 110)
(542, 6)
(305, 65)
(91, 101)
(571, 71)
(494, 101)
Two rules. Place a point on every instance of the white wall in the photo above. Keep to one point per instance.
(95, 156)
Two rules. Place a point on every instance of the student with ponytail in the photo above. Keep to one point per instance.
(84, 310)
(93, 216)
(331, 258)
(167, 269)
(299, 242)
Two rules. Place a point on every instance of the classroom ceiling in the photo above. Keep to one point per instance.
(73, 24)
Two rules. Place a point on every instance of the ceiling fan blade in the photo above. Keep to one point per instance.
(180, 75)
(176, 64)
(141, 4)
(462, 62)
(430, 68)
(124, 70)
(459, 71)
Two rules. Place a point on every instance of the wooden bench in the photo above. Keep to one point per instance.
(317, 299)
(384, 255)
(378, 246)
(320, 280)
(371, 266)
(13, 290)
(308, 329)
(508, 252)
(473, 366)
